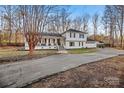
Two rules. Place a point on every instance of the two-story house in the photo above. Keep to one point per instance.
(74, 39)
(70, 39)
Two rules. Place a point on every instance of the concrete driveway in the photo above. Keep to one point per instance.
(23, 73)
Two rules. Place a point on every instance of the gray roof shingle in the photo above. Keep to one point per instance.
(73, 30)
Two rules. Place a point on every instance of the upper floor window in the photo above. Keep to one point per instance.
(81, 35)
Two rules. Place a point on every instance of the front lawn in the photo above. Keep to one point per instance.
(82, 50)
(11, 54)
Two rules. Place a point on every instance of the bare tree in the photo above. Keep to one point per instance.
(105, 23)
(95, 20)
(1, 28)
(59, 22)
(77, 23)
(34, 22)
(108, 22)
(81, 22)
(120, 21)
(85, 22)
(113, 22)
(54, 24)
(9, 12)
(0, 37)
(18, 26)
(64, 19)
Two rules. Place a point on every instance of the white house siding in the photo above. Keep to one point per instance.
(47, 46)
(67, 46)
(84, 44)
(75, 39)
(68, 38)
(42, 47)
(65, 40)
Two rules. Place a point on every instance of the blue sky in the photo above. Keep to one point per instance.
(78, 10)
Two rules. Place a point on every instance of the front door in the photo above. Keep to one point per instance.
(58, 41)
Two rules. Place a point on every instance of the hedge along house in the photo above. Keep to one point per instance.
(70, 39)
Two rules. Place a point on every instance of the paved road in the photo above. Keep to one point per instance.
(23, 73)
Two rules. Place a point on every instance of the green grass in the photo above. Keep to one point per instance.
(82, 50)
(12, 52)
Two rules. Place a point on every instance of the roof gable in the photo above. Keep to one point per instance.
(73, 30)
(51, 34)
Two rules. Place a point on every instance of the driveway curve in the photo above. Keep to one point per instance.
(22, 73)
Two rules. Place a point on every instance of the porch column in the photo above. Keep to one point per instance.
(42, 41)
(47, 41)
(56, 41)
(51, 41)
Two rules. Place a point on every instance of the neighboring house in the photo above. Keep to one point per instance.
(70, 39)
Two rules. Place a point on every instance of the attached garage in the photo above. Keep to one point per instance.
(91, 43)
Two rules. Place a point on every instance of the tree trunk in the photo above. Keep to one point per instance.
(121, 40)
(31, 49)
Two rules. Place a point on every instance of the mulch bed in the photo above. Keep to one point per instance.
(104, 73)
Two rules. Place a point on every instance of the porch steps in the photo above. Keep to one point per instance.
(62, 50)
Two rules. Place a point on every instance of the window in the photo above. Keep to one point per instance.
(71, 43)
(79, 43)
(82, 43)
(74, 35)
(45, 40)
(70, 34)
(81, 36)
(49, 42)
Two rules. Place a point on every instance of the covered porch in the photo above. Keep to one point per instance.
(50, 42)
